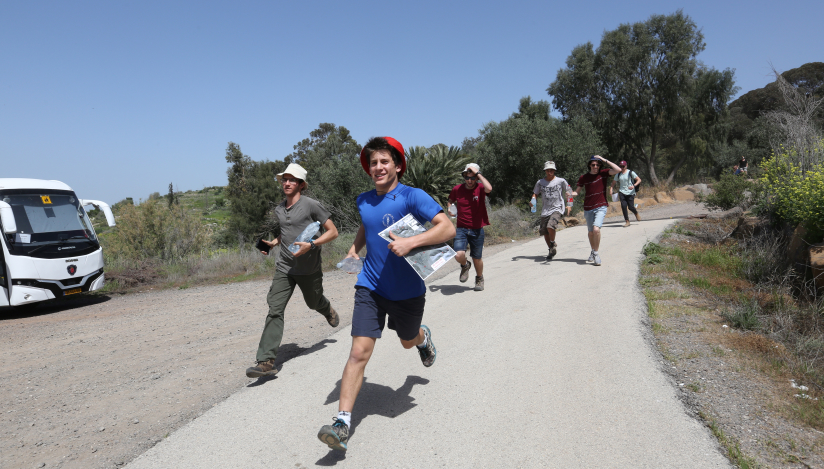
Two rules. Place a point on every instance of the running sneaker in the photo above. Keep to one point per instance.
(428, 353)
(465, 272)
(336, 435)
(552, 251)
(597, 260)
(591, 257)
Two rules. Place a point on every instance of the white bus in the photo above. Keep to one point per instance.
(49, 247)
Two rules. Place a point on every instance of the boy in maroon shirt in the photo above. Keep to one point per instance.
(470, 201)
(596, 182)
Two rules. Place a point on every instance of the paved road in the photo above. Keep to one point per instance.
(551, 366)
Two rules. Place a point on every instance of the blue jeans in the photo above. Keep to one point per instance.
(475, 239)
(595, 217)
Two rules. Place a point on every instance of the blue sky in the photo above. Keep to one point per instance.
(119, 98)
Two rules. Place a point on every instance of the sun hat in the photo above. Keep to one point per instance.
(364, 161)
(295, 170)
(473, 166)
(549, 165)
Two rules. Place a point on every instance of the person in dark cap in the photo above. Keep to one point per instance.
(387, 285)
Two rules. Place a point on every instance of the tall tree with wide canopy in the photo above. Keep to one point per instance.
(251, 189)
(331, 157)
(512, 152)
(642, 83)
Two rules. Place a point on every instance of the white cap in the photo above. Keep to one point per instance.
(295, 170)
(473, 166)
(549, 165)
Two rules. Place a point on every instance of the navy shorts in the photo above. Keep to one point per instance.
(474, 238)
(371, 309)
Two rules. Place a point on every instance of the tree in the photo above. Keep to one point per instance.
(435, 170)
(252, 188)
(171, 198)
(642, 83)
(512, 152)
(331, 158)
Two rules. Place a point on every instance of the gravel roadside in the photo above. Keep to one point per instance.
(92, 383)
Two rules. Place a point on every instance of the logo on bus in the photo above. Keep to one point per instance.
(72, 269)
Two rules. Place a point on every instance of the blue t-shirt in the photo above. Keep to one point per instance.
(383, 272)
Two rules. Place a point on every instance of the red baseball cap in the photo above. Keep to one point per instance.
(396, 145)
(622, 163)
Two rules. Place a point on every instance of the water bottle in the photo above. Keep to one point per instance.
(569, 201)
(351, 265)
(453, 211)
(305, 236)
(534, 204)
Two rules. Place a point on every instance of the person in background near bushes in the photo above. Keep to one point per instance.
(387, 285)
(303, 268)
(742, 166)
(552, 209)
(627, 183)
(595, 201)
(470, 200)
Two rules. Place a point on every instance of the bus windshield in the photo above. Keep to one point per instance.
(48, 218)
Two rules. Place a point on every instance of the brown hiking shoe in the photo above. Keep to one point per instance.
(626, 223)
(266, 368)
(637, 216)
(465, 272)
(333, 319)
(479, 284)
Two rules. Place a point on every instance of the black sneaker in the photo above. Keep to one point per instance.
(266, 368)
(336, 435)
(428, 353)
(552, 251)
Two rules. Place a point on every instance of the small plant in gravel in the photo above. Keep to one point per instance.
(744, 316)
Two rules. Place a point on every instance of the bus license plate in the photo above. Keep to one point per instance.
(72, 291)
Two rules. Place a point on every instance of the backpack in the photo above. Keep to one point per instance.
(632, 175)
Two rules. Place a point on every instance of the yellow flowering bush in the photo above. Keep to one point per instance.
(795, 196)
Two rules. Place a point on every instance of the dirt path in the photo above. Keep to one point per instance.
(95, 382)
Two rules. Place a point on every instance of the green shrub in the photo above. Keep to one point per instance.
(731, 191)
(744, 316)
(155, 230)
(796, 195)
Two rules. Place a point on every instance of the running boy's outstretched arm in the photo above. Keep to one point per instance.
(441, 231)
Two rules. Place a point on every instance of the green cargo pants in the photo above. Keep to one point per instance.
(283, 285)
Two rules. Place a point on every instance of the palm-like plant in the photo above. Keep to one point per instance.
(436, 170)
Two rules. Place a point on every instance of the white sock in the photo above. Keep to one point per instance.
(595, 252)
(423, 344)
(346, 417)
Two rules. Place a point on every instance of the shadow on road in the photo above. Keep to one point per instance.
(538, 259)
(50, 307)
(450, 289)
(287, 352)
(374, 399)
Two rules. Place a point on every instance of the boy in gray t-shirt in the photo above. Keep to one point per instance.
(551, 188)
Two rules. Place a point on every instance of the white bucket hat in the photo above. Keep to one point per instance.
(549, 165)
(473, 166)
(295, 170)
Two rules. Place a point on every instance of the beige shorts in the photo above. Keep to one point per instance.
(550, 222)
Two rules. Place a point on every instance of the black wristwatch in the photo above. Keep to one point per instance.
(312, 242)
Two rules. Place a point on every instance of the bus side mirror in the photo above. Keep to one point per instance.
(7, 216)
(102, 206)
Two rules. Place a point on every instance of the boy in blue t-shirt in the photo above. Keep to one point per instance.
(387, 285)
